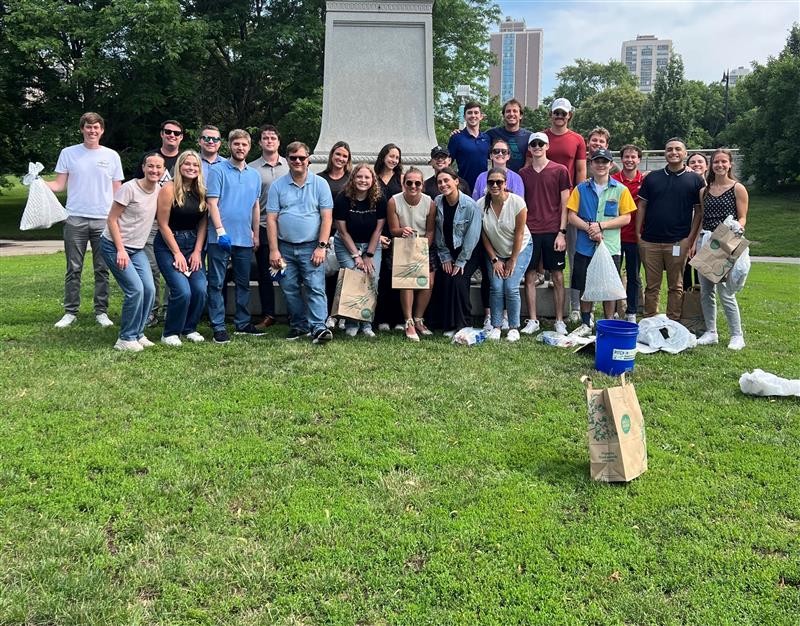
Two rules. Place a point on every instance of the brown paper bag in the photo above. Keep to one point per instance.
(355, 296)
(692, 311)
(410, 263)
(717, 256)
(617, 441)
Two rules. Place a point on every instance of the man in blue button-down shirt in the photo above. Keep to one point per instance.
(299, 216)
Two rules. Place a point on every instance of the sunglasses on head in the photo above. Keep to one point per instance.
(559, 114)
(297, 157)
(413, 183)
(536, 143)
(495, 182)
(169, 131)
(208, 139)
(498, 151)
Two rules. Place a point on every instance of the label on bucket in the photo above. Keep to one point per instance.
(618, 354)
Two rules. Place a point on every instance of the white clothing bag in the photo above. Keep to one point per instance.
(602, 278)
(43, 208)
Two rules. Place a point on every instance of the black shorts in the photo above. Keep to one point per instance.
(544, 248)
(578, 272)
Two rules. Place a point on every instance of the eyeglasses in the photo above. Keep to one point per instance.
(297, 157)
(498, 151)
(559, 114)
(536, 143)
(210, 139)
(174, 133)
(495, 182)
(413, 183)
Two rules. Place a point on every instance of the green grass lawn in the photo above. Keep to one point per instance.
(270, 482)
(773, 223)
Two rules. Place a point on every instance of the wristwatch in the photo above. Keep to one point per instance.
(563, 231)
(322, 244)
(369, 255)
(494, 260)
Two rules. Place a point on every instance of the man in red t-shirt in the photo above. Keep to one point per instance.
(632, 178)
(546, 193)
(568, 149)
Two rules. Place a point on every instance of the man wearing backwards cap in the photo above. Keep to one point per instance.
(440, 159)
(546, 192)
(598, 208)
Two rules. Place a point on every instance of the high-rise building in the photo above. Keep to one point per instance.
(735, 74)
(644, 57)
(518, 72)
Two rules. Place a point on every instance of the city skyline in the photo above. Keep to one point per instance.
(710, 36)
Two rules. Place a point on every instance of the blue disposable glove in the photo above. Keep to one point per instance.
(224, 242)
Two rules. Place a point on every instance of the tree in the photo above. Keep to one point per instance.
(619, 110)
(668, 110)
(767, 132)
(586, 78)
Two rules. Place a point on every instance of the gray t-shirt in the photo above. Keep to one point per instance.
(138, 215)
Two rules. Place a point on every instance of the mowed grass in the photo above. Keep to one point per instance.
(271, 482)
(773, 224)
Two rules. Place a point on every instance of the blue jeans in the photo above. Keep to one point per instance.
(136, 282)
(630, 253)
(507, 290)
(300, 270)
(347, 261)
(187, 296)
(217, 268)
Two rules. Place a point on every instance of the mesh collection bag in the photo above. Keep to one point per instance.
(43, 208)
(602, 278)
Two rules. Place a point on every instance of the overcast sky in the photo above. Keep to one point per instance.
(710, 35)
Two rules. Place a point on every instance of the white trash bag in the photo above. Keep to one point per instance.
(761, 383)
(602, 278)
(739, 271)
(43, 208)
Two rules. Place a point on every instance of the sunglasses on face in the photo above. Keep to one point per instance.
(499, 151)
(174, 133)
(297, 157)
(559, 114)
(537, 144)
(495, 182)
(208, 139)
(413, 183)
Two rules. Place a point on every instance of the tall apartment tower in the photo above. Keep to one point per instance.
(518, 72)
(645, 56)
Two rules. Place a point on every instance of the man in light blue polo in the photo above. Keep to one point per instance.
(299, 216)
(233, 190)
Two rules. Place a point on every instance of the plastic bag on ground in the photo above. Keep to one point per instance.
(469, 336)
(761, 383)
(661, 333)
(43, 208)
(602, 278)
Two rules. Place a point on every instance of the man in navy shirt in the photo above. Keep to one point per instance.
(470, 147)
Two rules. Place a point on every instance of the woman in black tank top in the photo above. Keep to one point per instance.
(179, 248)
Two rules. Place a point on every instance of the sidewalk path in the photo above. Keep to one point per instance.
(12, 247)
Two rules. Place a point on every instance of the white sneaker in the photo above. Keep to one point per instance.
(494, 334)
(65, 321)
(630, 318)
(195, 337)
(575, 317)
(513, 335)
(560, 327)
(708, 338)
(504, 326)
(487, 323)
(145, 342)
(330, 323)
(384, 328)
(368, 332)
(531, 326)
(128, 346)
(103, 320)
(736, 342)
(351, 331)
(449, 333)
(172, 340)
(399, 326)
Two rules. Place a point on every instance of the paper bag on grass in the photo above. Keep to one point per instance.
(718, 255)
(692, 311)
(355, 296)
(617, 441)
(410, 263)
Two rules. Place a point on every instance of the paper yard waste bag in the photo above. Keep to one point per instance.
(692, 311)
(355, 296)
(410, 263)
(617, 440)
(718, 255)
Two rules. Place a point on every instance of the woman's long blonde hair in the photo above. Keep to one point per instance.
(198, 186)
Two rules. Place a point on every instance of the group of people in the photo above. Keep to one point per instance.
(509, 202)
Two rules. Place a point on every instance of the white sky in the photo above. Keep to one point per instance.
(710, 35)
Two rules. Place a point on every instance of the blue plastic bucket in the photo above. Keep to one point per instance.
(616, 346)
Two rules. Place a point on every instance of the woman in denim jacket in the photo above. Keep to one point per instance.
(458, 232)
